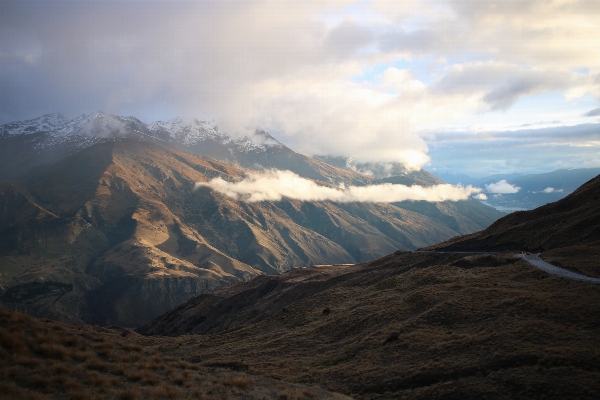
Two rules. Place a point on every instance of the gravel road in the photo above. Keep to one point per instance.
(536, 261)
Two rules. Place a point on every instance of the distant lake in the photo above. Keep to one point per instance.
(506, 209)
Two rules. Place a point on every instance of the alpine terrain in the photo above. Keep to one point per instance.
(118, 232)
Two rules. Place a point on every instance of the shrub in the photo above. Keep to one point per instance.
(127, 394)
(150, 379)
(72, 341)
(53, 350)
(82, 355)
(11, 342)
(60, 369)
(239, 381)
(96, 364)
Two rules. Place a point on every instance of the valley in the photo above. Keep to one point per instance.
(123, 223)
(300, 200)
(426, 324)
(284, 299)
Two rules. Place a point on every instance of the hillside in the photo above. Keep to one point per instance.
(42, 359)
(409, 325)
(567, 232)
(105, 222)
(118, 233)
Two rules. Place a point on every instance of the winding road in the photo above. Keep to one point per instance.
(533, 259)
(536, 261)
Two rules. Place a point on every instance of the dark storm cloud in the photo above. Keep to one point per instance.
(87, 55)
(78, 56)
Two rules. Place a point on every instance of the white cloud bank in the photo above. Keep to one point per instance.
(502, 187)
(275, 185)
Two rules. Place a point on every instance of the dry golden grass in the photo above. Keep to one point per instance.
(50, 360)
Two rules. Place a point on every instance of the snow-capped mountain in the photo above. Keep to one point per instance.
(189, 133)
(48, 139)
(51, 137)
(86, 130)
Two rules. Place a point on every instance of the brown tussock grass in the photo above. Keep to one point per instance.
(239, 381)
(148, 378)
(89, 362)
(128, 394)
(53, 350)
(96, 364)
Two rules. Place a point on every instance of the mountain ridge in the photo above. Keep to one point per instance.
(50, 138)
(124, 220)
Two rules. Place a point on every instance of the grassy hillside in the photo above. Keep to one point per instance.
(410, 325)
(41, 359)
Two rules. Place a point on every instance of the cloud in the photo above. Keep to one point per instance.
(275, 185)
(502, 187)
(511, 151)
(592, 113)
(500, 84)
(552, 190)
(575, 135)
(480, 196)
(337, 77)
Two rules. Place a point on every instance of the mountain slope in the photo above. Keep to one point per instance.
(98, 221)
(43, 359)
(123, 223)
(111, 208)
(47, 139)
(409, 325)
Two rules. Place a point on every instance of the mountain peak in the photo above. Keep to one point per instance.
(45, 123)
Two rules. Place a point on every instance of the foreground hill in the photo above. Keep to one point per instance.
(42, 359)
(118, 233)
(566, 231)
(409, 325)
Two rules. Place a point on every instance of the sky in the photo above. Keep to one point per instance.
(476, 87)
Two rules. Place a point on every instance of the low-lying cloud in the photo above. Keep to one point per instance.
(502, 187)
(275, 185)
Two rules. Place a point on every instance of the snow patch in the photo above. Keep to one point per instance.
(88, 129)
